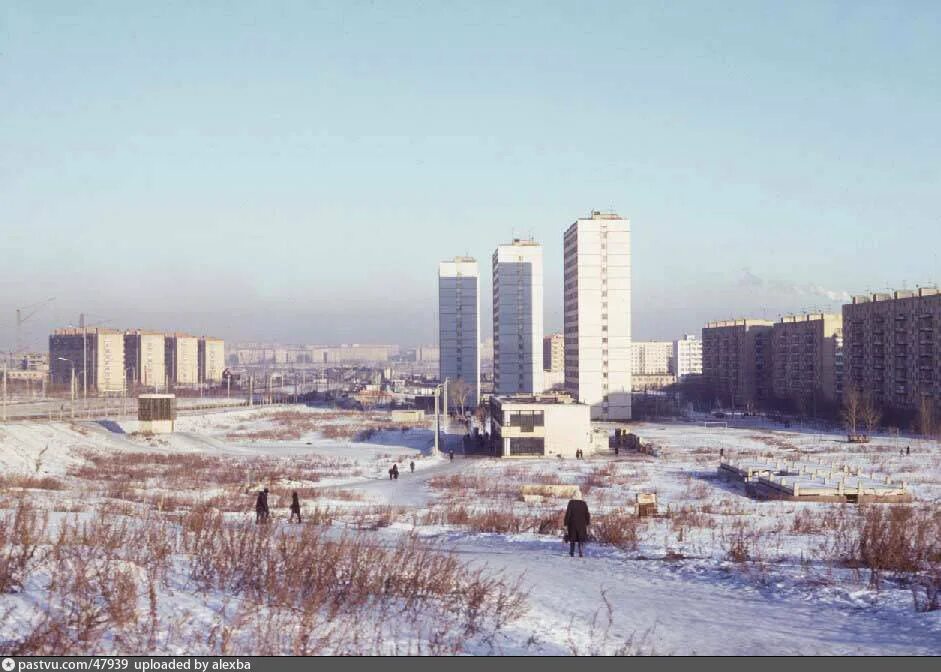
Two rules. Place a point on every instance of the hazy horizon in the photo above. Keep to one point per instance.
(294, 173)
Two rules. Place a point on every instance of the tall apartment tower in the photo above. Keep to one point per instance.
(459, 324)
(597, 320)
(517, 318)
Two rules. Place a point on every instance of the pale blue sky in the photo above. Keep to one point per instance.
(294, 170)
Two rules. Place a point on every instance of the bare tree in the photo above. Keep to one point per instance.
(851, 409)
(458, 392)
(870, 413)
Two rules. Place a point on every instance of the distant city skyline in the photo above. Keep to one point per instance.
(295, 173)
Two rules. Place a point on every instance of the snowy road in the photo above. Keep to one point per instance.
(682, 614)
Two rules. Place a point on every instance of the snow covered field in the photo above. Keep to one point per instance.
(116, 542)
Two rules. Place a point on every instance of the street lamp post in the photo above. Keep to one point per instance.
(71, 386)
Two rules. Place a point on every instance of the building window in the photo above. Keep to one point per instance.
(533, 446)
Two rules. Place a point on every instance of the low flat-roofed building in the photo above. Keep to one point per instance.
(542, 425)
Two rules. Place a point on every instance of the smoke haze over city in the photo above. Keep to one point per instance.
(295, 173)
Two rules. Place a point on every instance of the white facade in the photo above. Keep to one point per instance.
(687, 356)
(109, 365)
(651, 358)
(597, 318)
(459, 324)
(517, 318)
(540, 426)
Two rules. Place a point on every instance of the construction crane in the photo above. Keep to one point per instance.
(23, 314)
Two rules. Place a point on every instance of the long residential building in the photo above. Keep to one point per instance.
(96, 355)
(459, 324)
(597, 319)
(651, 358)
(517, 318)
(687, 356)
(736, 361)
(892, 348)
(806, 355)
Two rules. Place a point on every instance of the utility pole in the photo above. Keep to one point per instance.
(81, 321)
(437, 425)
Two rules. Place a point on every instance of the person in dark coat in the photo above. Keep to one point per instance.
(577, 520)
(261, 507)
(395, 471)
(411, 466)
(908, 450)
(451, 454)
(295, 507)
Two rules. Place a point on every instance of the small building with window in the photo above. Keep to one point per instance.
(548, 425)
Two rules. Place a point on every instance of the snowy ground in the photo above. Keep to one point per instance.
(714, 573)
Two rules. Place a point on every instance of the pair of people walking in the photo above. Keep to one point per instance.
(394, 472)
(263, 512)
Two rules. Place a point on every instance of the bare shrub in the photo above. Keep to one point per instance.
(618, 529)
(21, 534)
(30, 482)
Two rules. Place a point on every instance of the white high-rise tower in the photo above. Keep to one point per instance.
(517, 318)
(459, 325)
(597, 253)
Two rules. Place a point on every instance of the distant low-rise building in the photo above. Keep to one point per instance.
(539, 426)
(652, 382)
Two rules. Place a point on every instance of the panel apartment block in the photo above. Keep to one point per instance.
(517, 318)
(211, 354)
(736, 361)
(144, 353)
(459, 324)
(806, 354)
(891, 347)
(102, 350)
(597, 319)
(181, 357)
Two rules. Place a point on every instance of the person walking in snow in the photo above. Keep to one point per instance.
(395, 471)
(261, 507)
(411, 465)
(577, 520)
(451, 455)
(295, 507)
(390, 473)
